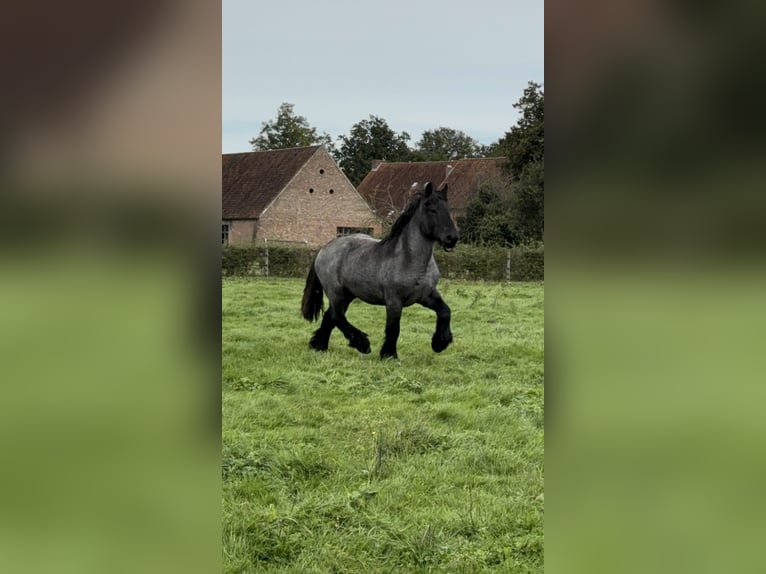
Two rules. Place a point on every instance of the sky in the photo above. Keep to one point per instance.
(418, 64)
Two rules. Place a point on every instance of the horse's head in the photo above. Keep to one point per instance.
(437, 222)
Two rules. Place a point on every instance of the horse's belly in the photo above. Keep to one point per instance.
(416, 292)
(415, 297)
(368, 293)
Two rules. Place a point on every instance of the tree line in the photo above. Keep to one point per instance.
(505, 212)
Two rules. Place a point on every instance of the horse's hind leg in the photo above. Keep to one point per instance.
(443, 334)
(356, 338)
(321, 338)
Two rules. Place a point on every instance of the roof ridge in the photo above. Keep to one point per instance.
(438, 161)
(384, 162)
(475, 158)
(283, 149)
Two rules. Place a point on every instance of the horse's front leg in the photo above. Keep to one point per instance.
(393, 318)
(443, 335)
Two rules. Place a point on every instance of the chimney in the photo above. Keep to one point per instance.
(376, 164)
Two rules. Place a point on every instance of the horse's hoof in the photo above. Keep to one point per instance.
(364, 346)
(361, 343)
(388, 352)
(317, 344)
(441, 342)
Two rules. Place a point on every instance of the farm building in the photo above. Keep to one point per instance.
(294, 195)
(388, 186)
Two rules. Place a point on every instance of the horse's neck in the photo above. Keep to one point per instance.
(416, 245)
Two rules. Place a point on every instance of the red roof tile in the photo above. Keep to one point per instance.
(387, 188)
(251, 180)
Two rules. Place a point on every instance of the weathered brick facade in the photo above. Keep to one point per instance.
(318, 201)
(312, 206)
(242, 231)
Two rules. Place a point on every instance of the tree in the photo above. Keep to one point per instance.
(524, 143)
(488, 219)
(443, 144)
(368, 140)
(288, 130)
(527, 202)
(513, 212)
(507, 212)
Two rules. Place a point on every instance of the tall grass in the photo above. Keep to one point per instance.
(338, 462)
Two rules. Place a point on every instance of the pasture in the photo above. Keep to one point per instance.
(340, 462)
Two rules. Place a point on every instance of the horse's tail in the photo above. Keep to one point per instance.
(312, 296)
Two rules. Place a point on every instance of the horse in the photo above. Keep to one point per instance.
(396, 271)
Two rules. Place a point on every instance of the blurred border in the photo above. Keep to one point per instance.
(654, 286)
(110, 168)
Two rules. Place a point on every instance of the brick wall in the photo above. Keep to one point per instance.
(300, 214)
(242, 231)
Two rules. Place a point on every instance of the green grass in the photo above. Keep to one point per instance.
(339, 462)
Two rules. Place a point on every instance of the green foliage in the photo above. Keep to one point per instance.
(528, 262)
(288, 130)
(488, 263)
(369, 140)
(444, 144)
(490, 219)
(472, 262)
(236, 260)
(252, 260)
(338, 462)
(512, 212)
(290, 261)
(524, 143)
(527, 202)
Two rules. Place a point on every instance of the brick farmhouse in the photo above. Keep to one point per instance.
(294, 195)
(389, 186)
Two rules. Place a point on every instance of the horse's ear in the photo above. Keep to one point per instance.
(429, 188)
(443, 189)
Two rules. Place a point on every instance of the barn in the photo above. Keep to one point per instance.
(388, 186)
(290, 195)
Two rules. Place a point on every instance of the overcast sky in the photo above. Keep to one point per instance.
(419, 64)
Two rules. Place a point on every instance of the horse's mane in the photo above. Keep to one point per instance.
(401, 222)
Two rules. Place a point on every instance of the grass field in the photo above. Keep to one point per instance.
(338, 462)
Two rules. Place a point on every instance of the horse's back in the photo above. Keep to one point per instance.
(342, 250)
(343, 246)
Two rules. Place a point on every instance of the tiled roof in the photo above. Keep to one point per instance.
(251, 180)
(387, 187)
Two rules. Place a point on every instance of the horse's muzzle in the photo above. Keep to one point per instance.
(449, 242)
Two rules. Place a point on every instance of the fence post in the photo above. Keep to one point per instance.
(266, 258)
(508, 267)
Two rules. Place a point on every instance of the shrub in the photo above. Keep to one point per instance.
(241, 260)
(490, 263)
(528, 263)
(473, 262)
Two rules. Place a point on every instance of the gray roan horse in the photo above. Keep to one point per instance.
(396, 271)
